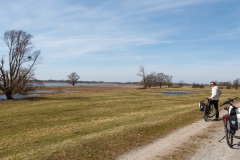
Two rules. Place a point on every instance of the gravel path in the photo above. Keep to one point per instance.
(210, 149)
(214, 150)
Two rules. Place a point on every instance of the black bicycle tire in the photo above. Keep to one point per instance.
(212, 112)
(229, 135)
(205, 116)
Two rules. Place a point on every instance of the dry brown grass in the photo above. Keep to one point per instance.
(93, 122)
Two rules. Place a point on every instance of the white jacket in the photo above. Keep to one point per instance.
(216, 92)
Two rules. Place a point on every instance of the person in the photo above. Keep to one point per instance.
(214, 98)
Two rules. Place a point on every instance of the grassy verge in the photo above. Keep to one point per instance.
(93, 122)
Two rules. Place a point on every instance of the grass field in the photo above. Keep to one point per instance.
(94, 122)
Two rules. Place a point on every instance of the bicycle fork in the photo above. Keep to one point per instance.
(225, 118)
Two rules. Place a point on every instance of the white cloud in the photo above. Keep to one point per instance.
(170, 35)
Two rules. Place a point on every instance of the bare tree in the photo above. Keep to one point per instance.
(142, 73)
(181, 83)
(160, 78)
(169, 80)
(20, 67)
(73, 78)
(151, 80)
(236, 83)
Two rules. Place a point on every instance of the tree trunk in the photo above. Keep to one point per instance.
(9, 95)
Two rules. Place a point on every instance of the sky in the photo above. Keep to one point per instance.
(195, 41)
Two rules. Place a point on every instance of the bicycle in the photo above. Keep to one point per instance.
(231, 121)
(208, 110)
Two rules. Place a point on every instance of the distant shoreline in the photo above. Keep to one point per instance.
(63, 81)
(58, 83)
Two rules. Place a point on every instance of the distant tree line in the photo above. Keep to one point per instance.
(159, 79)
(155, 79)
(235, 84)
(195, 85)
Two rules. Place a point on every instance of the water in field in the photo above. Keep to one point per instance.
(55, 84)
(19, 96)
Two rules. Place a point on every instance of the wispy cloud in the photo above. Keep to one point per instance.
(138, 57)
(170, 34)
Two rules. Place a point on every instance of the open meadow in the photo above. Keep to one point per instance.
(95, 122)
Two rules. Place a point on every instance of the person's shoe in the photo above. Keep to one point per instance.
(216, 119)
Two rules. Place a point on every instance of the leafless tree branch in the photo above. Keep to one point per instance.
(17, 77)
(73, 78)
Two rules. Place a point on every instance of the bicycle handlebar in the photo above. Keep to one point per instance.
(229, 100)
(226, 108)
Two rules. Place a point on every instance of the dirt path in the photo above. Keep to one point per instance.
(212, 149)
(209, 148)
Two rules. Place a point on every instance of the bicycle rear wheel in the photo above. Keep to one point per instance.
(212, 111)
(228, 133)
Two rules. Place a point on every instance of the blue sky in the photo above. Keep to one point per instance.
(108, 40)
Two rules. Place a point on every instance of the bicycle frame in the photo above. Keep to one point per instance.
(229, 131)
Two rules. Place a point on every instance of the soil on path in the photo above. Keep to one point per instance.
(209, 149)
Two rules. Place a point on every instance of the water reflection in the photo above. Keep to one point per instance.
(19, 96)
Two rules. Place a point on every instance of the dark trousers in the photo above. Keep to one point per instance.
(215, 104)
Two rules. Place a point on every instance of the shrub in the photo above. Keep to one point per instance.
(197, 85)
(174, 86)
(228, 87)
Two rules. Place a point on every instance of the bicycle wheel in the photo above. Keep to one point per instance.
(205, 114)
(228, 133)
(212, 111)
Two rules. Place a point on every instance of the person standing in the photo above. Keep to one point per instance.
(214, 98)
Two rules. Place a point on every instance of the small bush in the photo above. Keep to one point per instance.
(197, 85)
(228, 87)
(174, 87)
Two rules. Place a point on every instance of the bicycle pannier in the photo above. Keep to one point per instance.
(233, 122)
(201, 105)
(234, 118)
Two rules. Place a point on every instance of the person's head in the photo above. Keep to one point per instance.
(213, 84)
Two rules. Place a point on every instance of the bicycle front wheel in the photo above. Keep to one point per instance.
(228, 133)
(205, 114)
